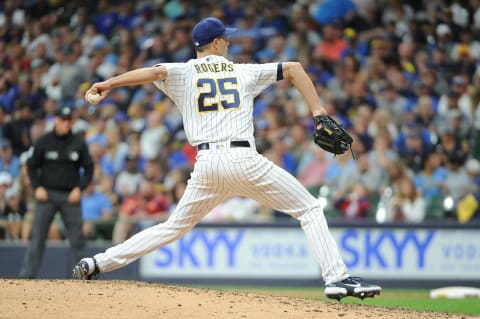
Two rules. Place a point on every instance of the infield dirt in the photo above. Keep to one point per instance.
(68, 299)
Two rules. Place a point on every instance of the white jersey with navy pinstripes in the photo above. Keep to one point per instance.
(216, 96)
(216, 99)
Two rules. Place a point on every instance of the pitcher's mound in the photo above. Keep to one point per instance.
(68, 299)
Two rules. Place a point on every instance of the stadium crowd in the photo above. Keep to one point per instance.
(402, 76)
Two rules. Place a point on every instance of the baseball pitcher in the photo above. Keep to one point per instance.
(216, 99)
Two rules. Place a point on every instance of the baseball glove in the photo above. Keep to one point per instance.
(330, 135)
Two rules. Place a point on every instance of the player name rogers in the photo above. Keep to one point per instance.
(214, 67)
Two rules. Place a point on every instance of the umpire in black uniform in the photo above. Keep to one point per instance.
(59, 168)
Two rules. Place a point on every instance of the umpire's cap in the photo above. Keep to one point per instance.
(64, 112)
(208, 29)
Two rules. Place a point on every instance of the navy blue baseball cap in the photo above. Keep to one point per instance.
(208, 29)
(64, 112)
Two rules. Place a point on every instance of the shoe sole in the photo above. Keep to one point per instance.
(360, 294)
(79, 272)
(338, 293)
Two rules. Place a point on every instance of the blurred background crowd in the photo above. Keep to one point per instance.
(402, 76)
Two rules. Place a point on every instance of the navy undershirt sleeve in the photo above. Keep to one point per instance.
(279, 71)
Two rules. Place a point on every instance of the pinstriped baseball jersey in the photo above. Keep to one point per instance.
(215, 96)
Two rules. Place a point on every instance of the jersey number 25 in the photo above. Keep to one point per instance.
(217, 91)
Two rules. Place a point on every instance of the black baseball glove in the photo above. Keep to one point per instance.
(330, 135)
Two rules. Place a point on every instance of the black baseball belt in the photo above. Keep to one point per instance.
(206, 146)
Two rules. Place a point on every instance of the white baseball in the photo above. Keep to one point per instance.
(93, 98)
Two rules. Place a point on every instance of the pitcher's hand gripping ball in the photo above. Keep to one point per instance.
(93, 98)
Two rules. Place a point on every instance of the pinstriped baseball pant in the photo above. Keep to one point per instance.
(223, 173)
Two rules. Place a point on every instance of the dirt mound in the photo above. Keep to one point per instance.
(70, 299)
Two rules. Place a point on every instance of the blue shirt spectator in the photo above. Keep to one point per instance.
(96, 208)
(430, 185)
(8, 161)
(95, 205)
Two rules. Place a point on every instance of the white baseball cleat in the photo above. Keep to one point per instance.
(351, 286)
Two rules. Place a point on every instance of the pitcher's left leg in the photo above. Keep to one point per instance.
(274, 187)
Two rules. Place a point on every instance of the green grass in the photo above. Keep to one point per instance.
(398, 298)
(420, 300)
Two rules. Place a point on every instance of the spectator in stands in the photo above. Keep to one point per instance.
(396, 172)
(430, 179)
(472, 166)
(312, 173)
(153, 171)
(452, 146)
(301, 143)
(425, 114)
(96, 209)
(116, 150)
(406, 53)
(6, 96)
(383, 123)
(395, 103)
(71, 74)
(457, 182)
(461, 125)
(362, 172)
(329, 50)
(398, 13)
(475, 130)
(154, 137)
(14, 212)
(413, 148)
(3, 118)
(356, 47)
(96, 132)
(355, 204)
(31, 92)
(302, 37)
(382, 154)
(180, 45)
(456, 100)
(233, 11)
(428, 84)
(443, 69)
(358, 94)
(97, 151)
(154, 52)
(280, 152)
(139, 211)
(105, 185)
(176, 192)
(468, 208)
(363, 140)
(127, 182)
(273, 19)
(17, 131)
(336, 167)
(5, 183)
(408, 203)
(9, 162)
